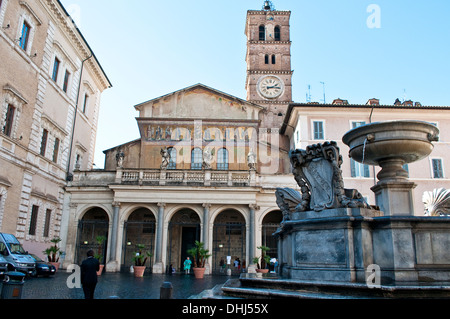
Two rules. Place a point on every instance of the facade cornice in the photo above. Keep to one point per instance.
(271, 102)
(202, 86)
(269, 42)
(68, 26)
(263, 12)
(193, 121)
(342, 107)
(269, 72)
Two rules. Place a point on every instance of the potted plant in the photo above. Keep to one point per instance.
(199, 256)
(99, 254)
(265, 259)
(140, 259)
(53, 252)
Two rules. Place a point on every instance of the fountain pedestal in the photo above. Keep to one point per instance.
(395, 198)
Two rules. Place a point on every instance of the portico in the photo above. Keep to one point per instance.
(167, 220)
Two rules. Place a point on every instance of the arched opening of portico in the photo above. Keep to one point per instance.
(93, 225)
(270, 224)
(229, 242)
(139, 229)
(184, 230)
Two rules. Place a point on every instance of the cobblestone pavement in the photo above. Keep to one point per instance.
(120, 286)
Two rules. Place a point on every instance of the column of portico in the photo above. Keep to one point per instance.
(251, 237)
(113, 264)
(205, 236)
(158, 267)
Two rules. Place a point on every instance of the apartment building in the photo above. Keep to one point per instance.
(50, 89)
(312, 123)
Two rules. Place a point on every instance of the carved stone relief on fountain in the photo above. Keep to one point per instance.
(317, 171)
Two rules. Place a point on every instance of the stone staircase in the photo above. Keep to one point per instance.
(249, 286)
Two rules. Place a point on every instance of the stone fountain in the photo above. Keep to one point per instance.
(332, 243)
(391, 145)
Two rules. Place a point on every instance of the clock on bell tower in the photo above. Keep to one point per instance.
(269, 74)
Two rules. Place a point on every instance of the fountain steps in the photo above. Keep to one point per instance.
(251, 287)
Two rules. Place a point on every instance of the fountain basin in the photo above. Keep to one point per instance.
(391, 144)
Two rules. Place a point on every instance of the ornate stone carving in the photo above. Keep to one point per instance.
(437, 202)
(115, 204)
(120, 156)
(317, 171)
(207, 158)
(287, 200)
(165, 154)
(251, 160)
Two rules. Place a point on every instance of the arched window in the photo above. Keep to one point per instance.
(274, 60)
(266, 59)
(196, 158)
(172, 159)
(262, 33)
(222, 159)
(277, 33)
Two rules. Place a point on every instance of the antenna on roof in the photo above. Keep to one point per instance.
(308, 94)
(324, 100)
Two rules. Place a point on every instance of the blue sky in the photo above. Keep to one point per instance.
(152, 48)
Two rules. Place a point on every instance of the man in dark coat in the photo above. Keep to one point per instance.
(89, 268)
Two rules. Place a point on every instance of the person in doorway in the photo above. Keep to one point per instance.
(89, 268)
(187, 265)
(171, 270)
(237, 264)
(222, 265)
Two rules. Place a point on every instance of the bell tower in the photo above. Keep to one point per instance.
(269, 74)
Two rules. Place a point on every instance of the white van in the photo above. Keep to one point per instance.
(16, 257)
(3, 266)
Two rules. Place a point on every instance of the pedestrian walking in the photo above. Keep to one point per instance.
(89, 268)
(187, 265)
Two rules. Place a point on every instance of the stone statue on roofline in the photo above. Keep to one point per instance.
(165, 154)
(207, 158)
(120, 156)
(251, 160)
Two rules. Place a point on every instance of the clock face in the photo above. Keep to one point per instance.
(270, 87)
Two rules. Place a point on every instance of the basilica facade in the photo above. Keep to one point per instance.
(206, 167)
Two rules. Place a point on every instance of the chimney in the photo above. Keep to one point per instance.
(408, 103)
(373, 102)
(340, 102)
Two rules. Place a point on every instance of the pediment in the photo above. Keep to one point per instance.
(199, 102)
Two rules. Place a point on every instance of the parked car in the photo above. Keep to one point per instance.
(43, 268)
(18, 259)
(3, 266)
